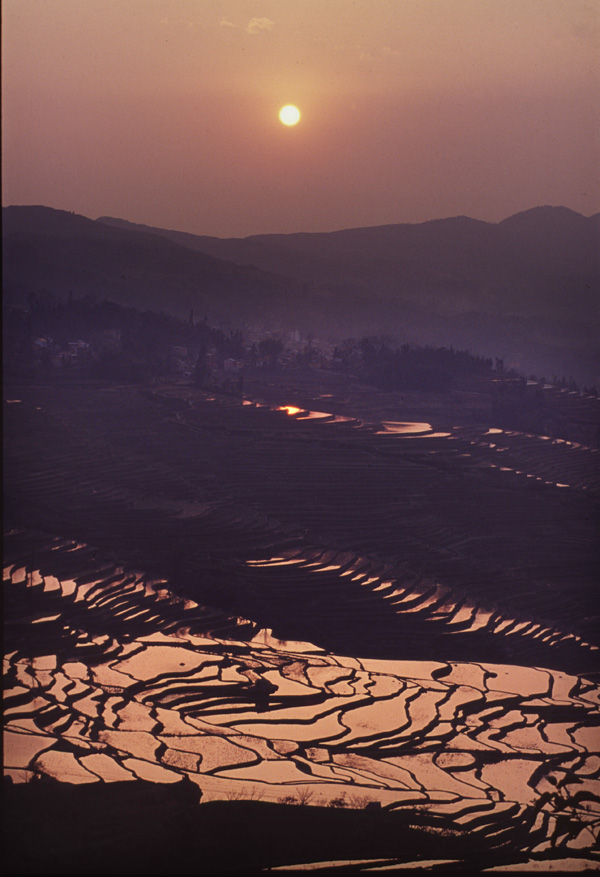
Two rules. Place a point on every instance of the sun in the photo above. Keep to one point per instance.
(289, 115)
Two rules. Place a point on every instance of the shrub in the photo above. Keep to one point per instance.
(340, 801)
(304, 795)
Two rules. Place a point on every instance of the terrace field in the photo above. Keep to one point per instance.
(314, 599)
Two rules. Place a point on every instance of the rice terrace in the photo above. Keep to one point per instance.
(356, 631)
(301, 411)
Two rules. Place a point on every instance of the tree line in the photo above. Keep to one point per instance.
(428, 369)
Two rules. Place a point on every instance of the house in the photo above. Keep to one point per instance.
(233, 365)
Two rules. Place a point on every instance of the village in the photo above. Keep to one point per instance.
(211, 366)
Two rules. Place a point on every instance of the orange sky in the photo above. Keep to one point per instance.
(166, 111)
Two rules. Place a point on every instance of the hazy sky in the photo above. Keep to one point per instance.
(166, 111)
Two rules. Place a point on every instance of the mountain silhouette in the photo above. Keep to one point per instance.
(544, 258)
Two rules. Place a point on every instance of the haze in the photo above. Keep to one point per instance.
(166, 112)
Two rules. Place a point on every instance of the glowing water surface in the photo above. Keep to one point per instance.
(266, 718)
(305, 414)
(390, 426)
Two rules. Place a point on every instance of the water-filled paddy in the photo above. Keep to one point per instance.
(275, 605)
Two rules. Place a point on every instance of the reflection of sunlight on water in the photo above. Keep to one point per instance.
(327, 726)
(422, 597)
(314, 415)
(275, 561)
(370, 580)
(160, 706)
(375, 864)
(390, 426)
(73, 546)
(304, 414)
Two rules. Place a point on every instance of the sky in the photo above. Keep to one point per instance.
(165, 112)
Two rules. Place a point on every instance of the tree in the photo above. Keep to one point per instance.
(200, 372)
(271, 347)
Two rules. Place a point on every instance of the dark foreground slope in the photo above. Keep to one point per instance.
(145, 828)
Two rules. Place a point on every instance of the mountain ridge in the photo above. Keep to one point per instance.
(547, 209)
(385, 256)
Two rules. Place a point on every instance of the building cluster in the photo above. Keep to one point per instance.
(262, 350)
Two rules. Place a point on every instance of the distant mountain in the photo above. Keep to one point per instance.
(525, 289)
(545, 259)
